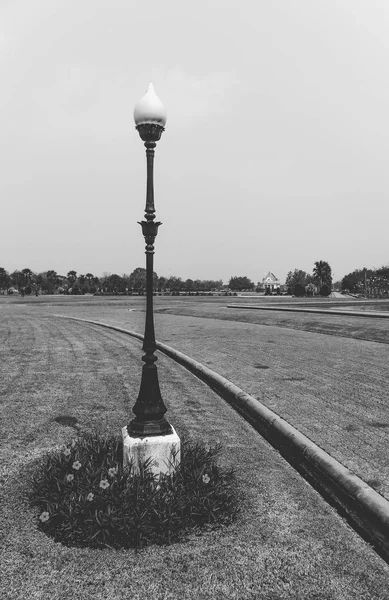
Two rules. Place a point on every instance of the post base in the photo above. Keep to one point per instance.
(163, 450)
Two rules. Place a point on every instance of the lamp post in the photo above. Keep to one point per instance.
(149, 434)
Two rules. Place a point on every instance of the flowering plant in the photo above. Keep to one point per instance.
(99, 504)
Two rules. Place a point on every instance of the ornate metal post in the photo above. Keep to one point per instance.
(149, 408)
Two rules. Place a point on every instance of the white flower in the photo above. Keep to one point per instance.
(44, 517)
(207, 448)
(206, 478)
(104, 484)
(112, 471)
(69, 477)
(90, 496)
(66, 452)
(76, 465)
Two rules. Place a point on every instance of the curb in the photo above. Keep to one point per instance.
(366, 510)
(329, 311)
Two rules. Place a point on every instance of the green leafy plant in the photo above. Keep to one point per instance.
(87, 499)
(325, 290)
(299, 290)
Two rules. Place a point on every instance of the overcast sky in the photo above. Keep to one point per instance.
(275, 151)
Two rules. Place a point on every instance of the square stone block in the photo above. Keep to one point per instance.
(163, 450)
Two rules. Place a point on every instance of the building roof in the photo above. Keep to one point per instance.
(270, 277)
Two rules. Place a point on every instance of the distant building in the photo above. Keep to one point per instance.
(270, 283)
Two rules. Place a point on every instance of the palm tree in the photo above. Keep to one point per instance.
(322, 274)
(27, 274)
(71, 277)
(4, 279)
(52, 281)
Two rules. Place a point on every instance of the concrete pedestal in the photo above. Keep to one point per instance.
(163, 450)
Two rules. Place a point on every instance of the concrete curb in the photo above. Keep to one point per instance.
(367, 510)
(329, 311)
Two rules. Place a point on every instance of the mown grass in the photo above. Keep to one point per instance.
(338, 325)
(286, 543)
(215, 307)
(333, 388)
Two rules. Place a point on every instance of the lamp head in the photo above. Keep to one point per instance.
(150, 116)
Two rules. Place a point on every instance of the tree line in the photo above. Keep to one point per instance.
(26, 282)
(372, 283)
(300, 283)
(297, 283)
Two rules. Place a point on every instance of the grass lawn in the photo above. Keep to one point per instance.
(287, 543)
(333, 388)
(375, 330)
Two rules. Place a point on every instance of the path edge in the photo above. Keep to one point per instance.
(323, 311)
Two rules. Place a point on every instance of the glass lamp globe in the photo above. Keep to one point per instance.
(150, 110)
